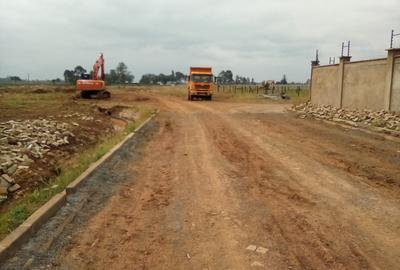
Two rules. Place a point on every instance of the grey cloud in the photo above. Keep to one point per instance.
(258, 38)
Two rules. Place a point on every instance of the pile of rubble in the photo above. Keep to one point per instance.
(78, 116)
(381, 119)
(23, 141)
(7, 185)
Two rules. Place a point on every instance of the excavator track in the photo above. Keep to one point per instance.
(102, 94)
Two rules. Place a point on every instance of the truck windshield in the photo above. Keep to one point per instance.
(202, 78)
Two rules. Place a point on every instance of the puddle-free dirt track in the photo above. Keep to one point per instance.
(219, 185)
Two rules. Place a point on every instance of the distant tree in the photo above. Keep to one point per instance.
(54, 81)
(130, 77)
(15, 78)
(111, 77)
(148, 79)
(179, 76)
(174, 77)
(229, 76)
(221, 77)
(162, 78)
(226, 76)
(69, 76)
(78, 71)
(123, 74)
(283, 80)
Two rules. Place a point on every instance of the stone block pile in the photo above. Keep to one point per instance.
(381, 119)
(23, 142)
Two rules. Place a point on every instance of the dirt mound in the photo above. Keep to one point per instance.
(41, 91)
(65, 89)
(142, 98)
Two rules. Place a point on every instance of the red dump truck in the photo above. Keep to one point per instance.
(200, 83)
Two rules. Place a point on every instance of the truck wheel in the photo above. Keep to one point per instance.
(210, 98)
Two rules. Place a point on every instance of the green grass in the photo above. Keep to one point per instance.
(13, 217)
(245, 96)
(17, 215)
(31, 100)
(32, 84)
(175, 91)
(146, 112)
(238, 97)
(297, 98)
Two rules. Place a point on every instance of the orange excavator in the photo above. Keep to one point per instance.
(91, 85)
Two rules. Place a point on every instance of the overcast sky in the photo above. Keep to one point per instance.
(256, 38)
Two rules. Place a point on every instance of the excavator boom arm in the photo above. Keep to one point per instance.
(99, 65)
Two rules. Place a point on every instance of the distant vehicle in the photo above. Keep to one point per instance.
(200, 83)
(91, 85)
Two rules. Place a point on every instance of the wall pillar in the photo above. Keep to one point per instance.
(343, 61)
(314, 63)
(392, 53)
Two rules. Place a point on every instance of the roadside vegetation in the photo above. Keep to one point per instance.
(242, 93)
(295, 96)
(30, 105)
(18, 213)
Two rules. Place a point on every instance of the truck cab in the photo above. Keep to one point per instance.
(200, 83)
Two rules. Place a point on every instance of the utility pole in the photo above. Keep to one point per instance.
(346, 46)
(392, 35)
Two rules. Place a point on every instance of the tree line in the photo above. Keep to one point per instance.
(11, 79)
(174, 77)
(226, 77)
(118, 75)
(179, 77)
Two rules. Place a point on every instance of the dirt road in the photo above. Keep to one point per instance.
(217, 180)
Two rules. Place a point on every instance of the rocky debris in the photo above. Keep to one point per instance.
(257, 264)
(7, 185)
(252, 247)
(41, 91)
(8, 179)
(23, 141)
(262, 250)
(382, 119)
(106, 111)
(276, 97)
(14, 188)
(78, 116)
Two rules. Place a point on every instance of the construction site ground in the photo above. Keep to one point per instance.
(235, 183)
(94, 125)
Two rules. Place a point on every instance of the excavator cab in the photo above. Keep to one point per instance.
(85, 76)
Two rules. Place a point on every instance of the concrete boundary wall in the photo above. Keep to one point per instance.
(395, 94)
(370, 84)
